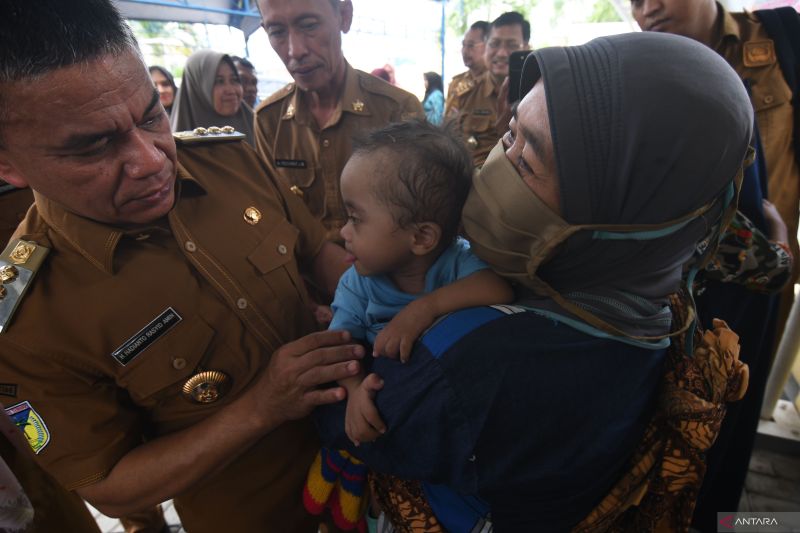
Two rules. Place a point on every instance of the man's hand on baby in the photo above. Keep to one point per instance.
(399, 335)
(362, 422)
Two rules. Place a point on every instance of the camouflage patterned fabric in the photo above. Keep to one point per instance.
(746, 257)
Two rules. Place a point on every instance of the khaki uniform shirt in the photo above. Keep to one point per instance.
(310, 158)
(208, 291)
(475, 107)
(745, 45)
(458, 85)
(14, 203)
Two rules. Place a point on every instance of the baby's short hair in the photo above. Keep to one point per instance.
(429, 173)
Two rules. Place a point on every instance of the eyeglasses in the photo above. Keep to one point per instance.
(509, 44)
(469, 45)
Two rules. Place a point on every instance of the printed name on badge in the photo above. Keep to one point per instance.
(290, 163)
(146, 336)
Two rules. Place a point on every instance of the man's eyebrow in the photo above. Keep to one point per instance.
(81, 140)
(530, 137)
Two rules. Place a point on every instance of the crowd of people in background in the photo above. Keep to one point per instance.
(356, 308)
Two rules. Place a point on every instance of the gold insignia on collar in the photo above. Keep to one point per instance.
(252, 216)
(289, 111)
(358, 106)
(22, 252)
(464, 86)
(758, 53)
(8, 273)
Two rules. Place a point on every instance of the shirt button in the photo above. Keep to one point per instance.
(190, 246)
(282, 249)
(326, 143)
(241, 303)
(179, 363)
(769, 99)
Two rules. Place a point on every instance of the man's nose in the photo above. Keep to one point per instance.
(297, 45)
(142, 157)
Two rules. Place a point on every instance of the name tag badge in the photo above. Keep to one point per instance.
(482, 112)
(146, 336)
(290, 163)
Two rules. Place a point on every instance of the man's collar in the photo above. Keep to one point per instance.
(350, 102)
(97, 242)
(489, 85)
(725, 27)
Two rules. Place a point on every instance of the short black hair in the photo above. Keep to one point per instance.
(40, 36)
(431, 173)
(510, 18)
(483, 26)
(243, 61)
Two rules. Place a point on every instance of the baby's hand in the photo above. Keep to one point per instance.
(777, 227)
(399, 335)
(362, 423)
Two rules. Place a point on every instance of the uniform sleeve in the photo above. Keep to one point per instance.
(262, 139)
(77, 423)
(450, 102)
(350, 306)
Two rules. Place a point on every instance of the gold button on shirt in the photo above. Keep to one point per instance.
(311, 158)
(741, 35)
(101, 289)
(475, 108)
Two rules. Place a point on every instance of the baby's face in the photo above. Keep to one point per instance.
(376, 245)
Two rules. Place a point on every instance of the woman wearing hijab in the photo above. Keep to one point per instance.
(211, 95)
(618, 165)
(165, 85)
(433, 103)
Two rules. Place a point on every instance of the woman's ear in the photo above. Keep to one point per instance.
(426, 238)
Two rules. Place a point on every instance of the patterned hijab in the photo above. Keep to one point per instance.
(194, 103)
(647, 128)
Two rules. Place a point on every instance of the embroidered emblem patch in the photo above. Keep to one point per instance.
(146, 336)
(31, 424)
(759, 53)
(8, 389)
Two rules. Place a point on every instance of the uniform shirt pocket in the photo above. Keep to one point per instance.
(308, 182)
(167, 364)
(477, 124)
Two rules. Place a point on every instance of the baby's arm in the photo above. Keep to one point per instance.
(483, 287)
(362, 421)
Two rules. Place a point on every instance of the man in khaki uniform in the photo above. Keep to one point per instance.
(744, 43)
(305, 129)
(481, 108)
(14, 203)
(153, 355)
(473, 48)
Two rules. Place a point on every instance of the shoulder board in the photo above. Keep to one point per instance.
(210, 134)
(19, 263)
(277, 96)
(758, 53)
(464, 86)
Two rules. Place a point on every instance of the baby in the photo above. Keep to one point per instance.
(403, 189)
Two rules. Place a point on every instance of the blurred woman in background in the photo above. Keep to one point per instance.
(211, 95)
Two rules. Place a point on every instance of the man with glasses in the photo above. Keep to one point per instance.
(472, 49)
(482, 110)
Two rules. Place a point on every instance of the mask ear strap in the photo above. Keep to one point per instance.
(601, 324)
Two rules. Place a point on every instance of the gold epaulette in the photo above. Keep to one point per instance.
(210, 134)
(19, 263)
